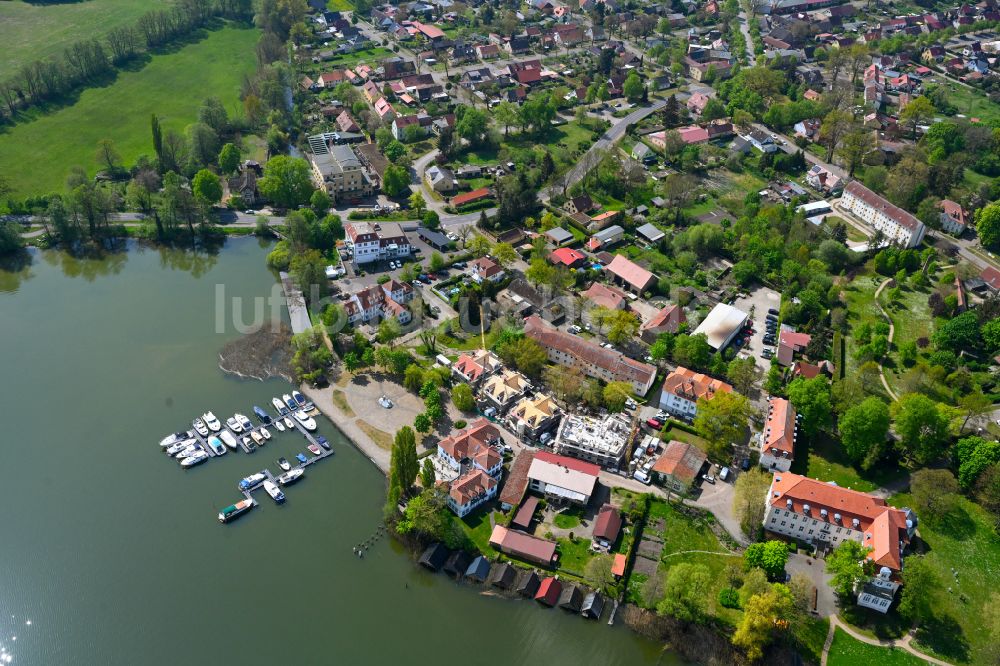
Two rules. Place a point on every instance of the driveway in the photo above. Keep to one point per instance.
(815, 570)
(757, 303)
(718, 498)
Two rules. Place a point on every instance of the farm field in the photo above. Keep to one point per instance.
(36, 154)
(36, 30)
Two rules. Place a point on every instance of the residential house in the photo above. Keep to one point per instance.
(760, 141)
(346, 122)
(603, 296)
(579, 204)
(534, 417)
(896, 224)
(568, 257)
(401, 125)
(439, 179)
(380, 301)
(598, 362)
(808, 128)
(630, 275)
(471, 490)
(822, 179)
(486, 269)
(371, 245)
(500, 391)
(953, 217)
(473, 367)
(667, 320)
(559, 236)
(678, 466)
(473, 447)
(488, 51)
(244, 183)
(562, 479)
(517, 480)
(683, 388)
(607, 528)
(696, 103)
(384, 110)
(777, 440)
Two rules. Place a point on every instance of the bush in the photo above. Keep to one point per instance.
(729, 598)
(459, 424)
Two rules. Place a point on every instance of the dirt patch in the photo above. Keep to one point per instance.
(340, 400)
(644, 565)
(382, 439)
(260, 355)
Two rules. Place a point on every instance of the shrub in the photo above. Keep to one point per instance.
(729, 598)
(459, 424)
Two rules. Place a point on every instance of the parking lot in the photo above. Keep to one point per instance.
(756, 304)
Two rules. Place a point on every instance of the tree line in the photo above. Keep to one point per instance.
(88, 61)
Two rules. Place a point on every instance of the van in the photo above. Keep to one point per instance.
(724, 474)
(546, 436)
(642, 476)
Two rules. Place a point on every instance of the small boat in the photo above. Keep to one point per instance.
(291, 477)
(315, 450)
(195, 458)
(301, 402)
(212, 422)
(200, 427)
(217, 445)
(307, 421)
(234, 511)
(252, 480)
(284, 464)
(279, 424)
(257, 439)
(228, 439)
(323, 442)
(274, 491)
(244, 421)
(261, 415)
(170, 440)
(301, 457)
(280, 406)
(247, 442)
(265, 433)
(287, 399)
(187, 451)
(233, 424)
(177, 447)
(289, 424)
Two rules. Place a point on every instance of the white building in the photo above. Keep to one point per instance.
(777, 441)
(683, 387)
(896, 224)
(471, 490)
(563, 479)
(825, 515)
(953, 218)
(380, 301)
(338, 170)
(601, 441)
(371, 245)
(721, 325)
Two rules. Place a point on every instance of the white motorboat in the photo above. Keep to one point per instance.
(187, 451)
(177, 447)
(248, 443)
(284, 464)
(307, 421)
(301, 401)
(217, 446)
(244, 421)
(212, 422)
(195, 458)
(257, 439)
(279, 424)
(233, 424)
(289, 424)
(280, 406)
(228, 439)
(265, 433)
(170, 440)
(200, 427)
(289, 402)
(252, 480)
(291, 476)
(274, 491)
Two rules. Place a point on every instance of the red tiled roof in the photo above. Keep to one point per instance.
(474, 444)
(895, 213)
(567, 256)
(569, 463)
(669, 318)
(630, 272)
(618, 568)
(604, 296)
(523, 545)
(524, 514)
(549, 591)
(680, 460)
(474, 195)
(471, 485)
(779, 430)
(517, 478)
(608, 523)
(991, 276)
(694, 385)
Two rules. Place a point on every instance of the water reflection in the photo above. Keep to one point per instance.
(15, 269)
(196, 262)
(89, 266)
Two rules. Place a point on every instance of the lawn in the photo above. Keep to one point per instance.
(672, 432)
(567, 520)
(824, 459)
(972, 103)
(37, 30)
(847, 651)
(574, 555)
(477, 526)
(37, 154)
(967, 543)
(339, 5)
(911, 319)
(861, 309)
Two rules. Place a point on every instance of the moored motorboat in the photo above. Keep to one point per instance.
(288, 423)
(200, 427)
(177, 447)
(212, 422)
(301, 402)
(233, 424)
(244, 421)
(248, 443)
(228, 439)
(261, 415)
(187, 451)
(217, 446)
(257, 439)
(279, 424)
(289, 402)
(284, 464)
(307, 421)
(291, 477)
(301, 457)
(234, 511)
(265, 433)
(323, 442)
(195, 458)
(280, 406)
(170, 440)
(252, 480)
(274, 491)
(315, 449)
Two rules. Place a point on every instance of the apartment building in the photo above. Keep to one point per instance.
(380, 301)
(683, 388)
(370, 244)
(777, 441)
(896, 224)
(603, 441)
(339, 171)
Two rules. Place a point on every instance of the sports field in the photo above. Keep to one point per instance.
(36, 155)
(35, 30)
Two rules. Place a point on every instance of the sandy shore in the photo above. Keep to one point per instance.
(323, 399)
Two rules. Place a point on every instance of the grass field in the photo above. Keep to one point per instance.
(824, 459)
(847, 651)
(36, 30)
(37, 153)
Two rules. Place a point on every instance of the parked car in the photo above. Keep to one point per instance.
(773, 311)
(574, 329)
(655, 424)
(745, 465)
(723, 473)
(708, 477)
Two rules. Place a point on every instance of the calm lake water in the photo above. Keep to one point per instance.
(114, 554)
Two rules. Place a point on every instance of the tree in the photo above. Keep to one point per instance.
(622, 326)
(479, 245)
(287, 181)
(935, 495)
(959, 334)
(396, 180)
(206, 187)
(505, 254)
(506, 114)
(108, 155)
(975, 455)
(762, 615)
(754, 582)
(598, 574)
(157, 140)
(388, 330)
(742, 372)
(203, 144)
(863, 429)
(527, 356)
(461, 396)
(858, 143)
(920, 585)
(427, 474)
(849, 566)
(308, 268)
(747, 505)
(988, 225)
(722, 420)
(615, 394)
(811, 399)
(229, 159)
(319, 201)
(692, 351)
(632, 88)
(922, 426)
(770, 556)
(472, 125)
(417, 202)
(919, 111)
(835, 124)
(684, 588)
(395, 150)
(403, 461)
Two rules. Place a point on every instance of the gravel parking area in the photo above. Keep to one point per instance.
(757, 303)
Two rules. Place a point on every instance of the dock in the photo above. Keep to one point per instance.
(298, 314)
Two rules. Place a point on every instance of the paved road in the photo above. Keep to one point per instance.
(744, 22)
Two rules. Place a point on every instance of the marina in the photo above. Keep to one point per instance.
(239, 432)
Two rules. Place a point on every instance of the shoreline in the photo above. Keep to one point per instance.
(323, 399)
